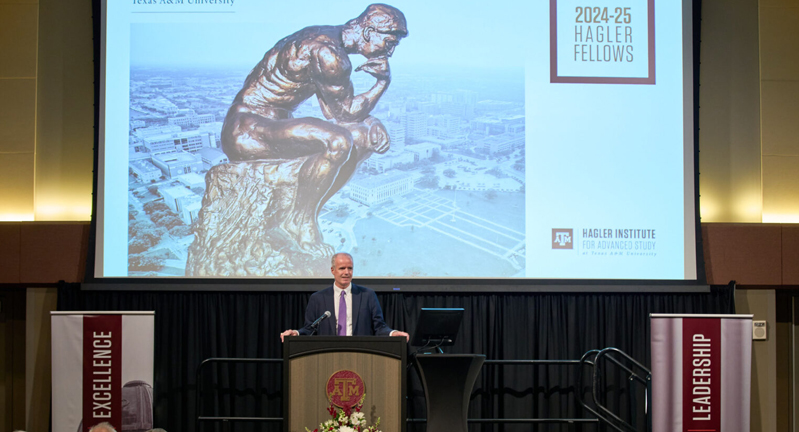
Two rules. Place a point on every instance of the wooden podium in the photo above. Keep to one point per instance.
(310, 361)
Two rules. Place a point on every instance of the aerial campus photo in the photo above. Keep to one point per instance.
(446, 200)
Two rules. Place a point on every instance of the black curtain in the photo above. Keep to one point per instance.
(193, 326)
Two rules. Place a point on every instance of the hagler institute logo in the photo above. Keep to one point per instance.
(345, 389)
(562, 238)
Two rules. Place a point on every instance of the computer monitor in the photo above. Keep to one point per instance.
(437, 327)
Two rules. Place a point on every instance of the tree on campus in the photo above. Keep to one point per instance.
(429, 180)
(157, 215)
(496, 172)
(138, 245)
(135, 228)
(147, 233)
(180, 231)
(140, 262)
(154, 206)
(169, 221)
(449, 173)
(490, 195)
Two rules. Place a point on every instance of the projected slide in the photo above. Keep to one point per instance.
(254, 139)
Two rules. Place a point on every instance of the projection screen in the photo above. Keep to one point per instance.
(517, 140)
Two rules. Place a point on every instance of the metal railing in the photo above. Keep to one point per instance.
(228, 419)
(602, 412)
(592, 358)
(525, 420)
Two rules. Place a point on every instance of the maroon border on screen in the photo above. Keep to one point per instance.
(553, 53)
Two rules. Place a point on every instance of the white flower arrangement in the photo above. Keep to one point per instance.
(345, 420)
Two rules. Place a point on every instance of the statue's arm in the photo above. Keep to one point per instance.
(332, 70)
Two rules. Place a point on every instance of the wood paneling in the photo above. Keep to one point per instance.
(9, 252)
(790, 255)
(18, 39)
(779, 37)
(18, 116)
(381, 376)
(53, 251)
(780, 109)
(729, 113)
(780, 188)
(749, 254)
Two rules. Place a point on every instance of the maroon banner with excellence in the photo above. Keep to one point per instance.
(102, 370)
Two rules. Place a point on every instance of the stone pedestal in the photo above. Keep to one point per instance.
(239, 230)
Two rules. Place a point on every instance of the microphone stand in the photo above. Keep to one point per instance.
(315, 324)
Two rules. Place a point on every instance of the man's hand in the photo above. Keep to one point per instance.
(288, 333)
(376, 67)
(401, 333)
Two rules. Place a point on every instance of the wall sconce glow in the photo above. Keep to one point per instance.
(749, 208)
(16, 217)
(707, 211)
(780, 218)
(63, 213)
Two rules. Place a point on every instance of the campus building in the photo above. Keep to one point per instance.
(175, 164)
(144, 170)
(379, 189)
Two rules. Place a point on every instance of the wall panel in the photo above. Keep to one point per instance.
(749, 254)
(51, 252)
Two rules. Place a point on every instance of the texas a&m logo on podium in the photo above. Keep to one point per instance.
(345, 389)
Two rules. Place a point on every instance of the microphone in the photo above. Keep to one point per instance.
(325, 315)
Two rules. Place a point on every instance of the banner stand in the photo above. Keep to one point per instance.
(701, 372)
(102, 370)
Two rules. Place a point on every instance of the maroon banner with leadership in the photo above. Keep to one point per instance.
(701, 372)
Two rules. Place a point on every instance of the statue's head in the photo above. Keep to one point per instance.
(380, 27)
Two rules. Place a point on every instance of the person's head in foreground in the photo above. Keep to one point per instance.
(102, 427)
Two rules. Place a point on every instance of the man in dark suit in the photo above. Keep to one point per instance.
(354, 309)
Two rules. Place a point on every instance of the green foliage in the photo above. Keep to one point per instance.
(429, 180)
(180, 231)
(153, 206)
(169, 221)
(141, 262)
(138, 245)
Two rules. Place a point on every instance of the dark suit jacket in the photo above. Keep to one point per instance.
(367, 316)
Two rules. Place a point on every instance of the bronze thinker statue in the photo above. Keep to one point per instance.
(299, 163)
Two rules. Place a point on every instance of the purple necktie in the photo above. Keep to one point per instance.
(342, 315)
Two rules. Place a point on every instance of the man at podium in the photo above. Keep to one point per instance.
(353, 310)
